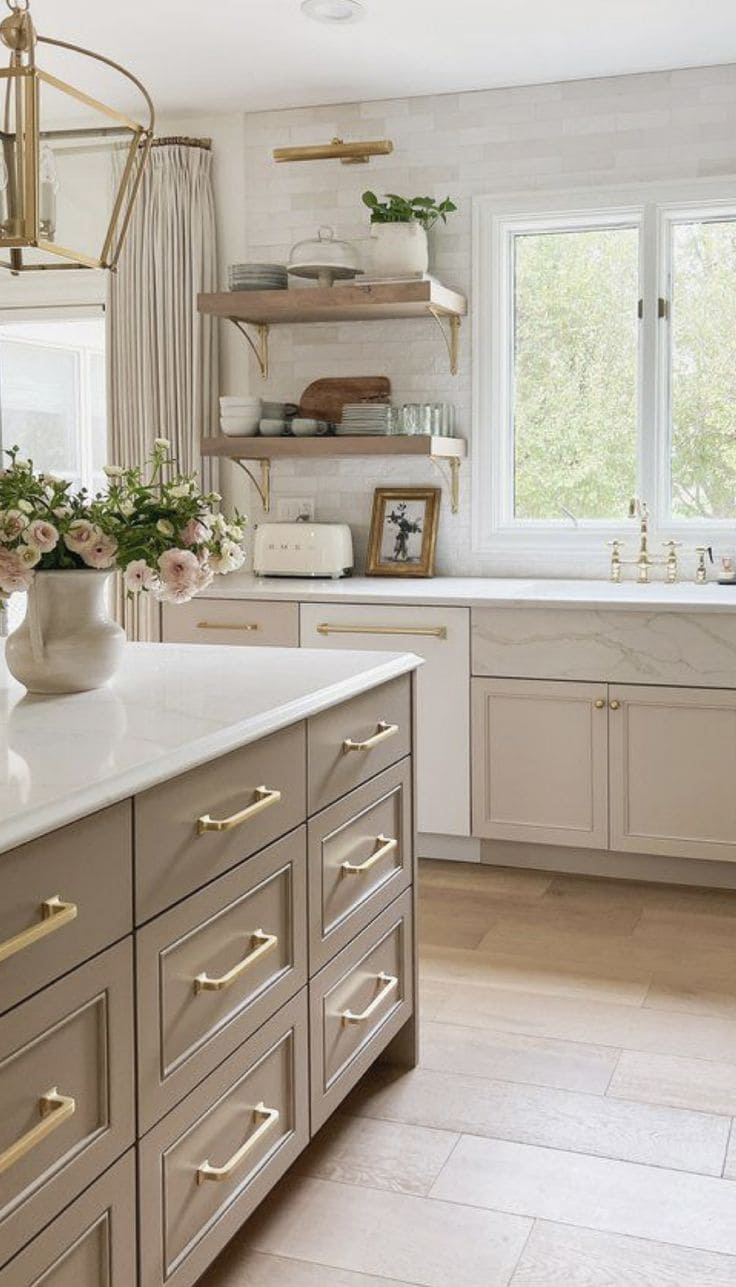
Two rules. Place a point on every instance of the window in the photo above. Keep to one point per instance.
(605, 366)
(52, 392)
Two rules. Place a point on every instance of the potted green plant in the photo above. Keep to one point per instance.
(399, 227)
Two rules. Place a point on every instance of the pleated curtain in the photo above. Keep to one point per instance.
(162, 353)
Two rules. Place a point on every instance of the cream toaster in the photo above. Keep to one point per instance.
(303, 549)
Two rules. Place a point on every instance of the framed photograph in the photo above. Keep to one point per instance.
(403, 531)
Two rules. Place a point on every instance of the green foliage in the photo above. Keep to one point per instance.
(575, 376)
(395, 209)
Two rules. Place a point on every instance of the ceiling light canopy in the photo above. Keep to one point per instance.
(58, 148)
(337, 12)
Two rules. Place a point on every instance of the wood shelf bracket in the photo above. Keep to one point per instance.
(259, 345)
(452, 480)
(451, 336)
(264, 486)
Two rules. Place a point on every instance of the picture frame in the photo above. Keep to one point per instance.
(403, 535)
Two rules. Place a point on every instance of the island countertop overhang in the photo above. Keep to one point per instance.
(170, 708)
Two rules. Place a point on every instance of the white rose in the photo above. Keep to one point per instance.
(113, 471)
(29, 555)
(230, 558)
(162, 442)
(25, 506)
(179, 490)
(127, 507)
(165, 527)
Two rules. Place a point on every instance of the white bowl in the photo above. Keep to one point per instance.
(235, 404)
(244, 426)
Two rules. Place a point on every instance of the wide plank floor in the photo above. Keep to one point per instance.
(571, 1120)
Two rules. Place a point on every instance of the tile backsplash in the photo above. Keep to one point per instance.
(663, 125)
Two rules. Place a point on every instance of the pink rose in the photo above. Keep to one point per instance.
(138, 576)
(181, 575)
(195, 533)
(82, 535)
(101, 553)
(14, 574)
(41, 534)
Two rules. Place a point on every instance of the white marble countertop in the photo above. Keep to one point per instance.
(477, 592)
(169, 708)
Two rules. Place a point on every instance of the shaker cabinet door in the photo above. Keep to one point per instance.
(673, 771)
(540, 762)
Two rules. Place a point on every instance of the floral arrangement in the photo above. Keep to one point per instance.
(152, 523)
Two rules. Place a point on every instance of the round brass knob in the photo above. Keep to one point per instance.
(599, 704)
(615, 705)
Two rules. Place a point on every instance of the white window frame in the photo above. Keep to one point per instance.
(655, 208)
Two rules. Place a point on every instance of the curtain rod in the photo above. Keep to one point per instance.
(180, 141)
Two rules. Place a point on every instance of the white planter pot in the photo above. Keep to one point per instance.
(399, 249)
(67, 643)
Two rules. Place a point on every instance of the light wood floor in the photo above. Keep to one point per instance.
(570, 1124)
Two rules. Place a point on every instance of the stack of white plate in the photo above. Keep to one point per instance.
(257, 277)
(365, 418)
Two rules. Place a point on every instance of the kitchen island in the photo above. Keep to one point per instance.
(206, 938)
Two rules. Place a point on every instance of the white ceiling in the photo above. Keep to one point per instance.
(236, 55)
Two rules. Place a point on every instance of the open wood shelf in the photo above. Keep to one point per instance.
(375, 301)
(335, 446)
(449, 451)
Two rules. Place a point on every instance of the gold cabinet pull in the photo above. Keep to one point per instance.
(261, 943)
(55, 1109)
(386, 845)
(383, 733)
(389, 983)
(265, 797)
(599, 703)
(615, 706)
(54, 914)
(227, 625)
(268, 1117)
(416, 632)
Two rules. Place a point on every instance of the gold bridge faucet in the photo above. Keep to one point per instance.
(644, 560)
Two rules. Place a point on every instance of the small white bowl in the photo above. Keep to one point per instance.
(245, 426)
(229, 405)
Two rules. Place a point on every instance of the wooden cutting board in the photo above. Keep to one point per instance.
(325, 399)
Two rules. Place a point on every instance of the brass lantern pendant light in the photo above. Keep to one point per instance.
(50, 204)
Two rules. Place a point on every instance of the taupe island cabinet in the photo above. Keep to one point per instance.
(206, 938)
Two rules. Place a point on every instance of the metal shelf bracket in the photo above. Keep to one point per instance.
(264, 487)
(452, 480)
(451, 336)
(259, 345)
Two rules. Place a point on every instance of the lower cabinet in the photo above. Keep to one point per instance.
(92, 1244)
(630, 768)
(208, 1164)
(540, 762)
(673, 771)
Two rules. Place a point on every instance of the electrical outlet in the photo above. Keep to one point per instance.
(289, 509)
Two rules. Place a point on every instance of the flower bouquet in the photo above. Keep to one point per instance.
(152, 524)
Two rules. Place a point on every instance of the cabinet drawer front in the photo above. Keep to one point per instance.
(232, 621)
(92, 1244)
(52, 915)
(360, 858)
(213, 1158)
(66, 1090)
(441, 636)
(357, 1004)
(352, 742)
(213, 969)
(258, 792)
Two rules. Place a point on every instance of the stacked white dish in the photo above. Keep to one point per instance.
(370, 418)
(239, 416)
(257, 277)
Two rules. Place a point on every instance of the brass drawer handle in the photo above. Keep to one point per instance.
(386, 846)
(54, 914)
(416, 632)
(262, 943)
(385, 731)
(269, 1118)
(55, 1109)
(227, 625)
(265, 797)
(389, 982)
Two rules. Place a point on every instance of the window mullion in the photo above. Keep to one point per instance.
(648, 450)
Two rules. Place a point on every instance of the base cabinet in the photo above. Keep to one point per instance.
(539, 762)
